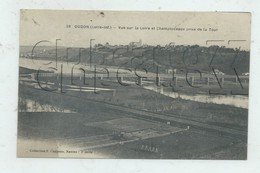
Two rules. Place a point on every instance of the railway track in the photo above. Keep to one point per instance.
(154, 116)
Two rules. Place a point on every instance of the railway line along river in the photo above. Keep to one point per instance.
(231, 100)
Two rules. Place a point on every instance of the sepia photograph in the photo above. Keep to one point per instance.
(133, 84)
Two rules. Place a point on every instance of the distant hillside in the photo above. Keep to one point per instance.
(149, 57)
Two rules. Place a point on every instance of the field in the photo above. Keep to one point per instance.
(67, 131)
(99, 124)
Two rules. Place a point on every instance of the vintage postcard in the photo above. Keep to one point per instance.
(133, 85)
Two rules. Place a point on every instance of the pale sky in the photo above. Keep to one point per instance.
(37, 25)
